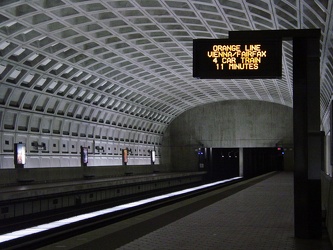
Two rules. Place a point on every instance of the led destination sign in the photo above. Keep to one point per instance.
(222, 58)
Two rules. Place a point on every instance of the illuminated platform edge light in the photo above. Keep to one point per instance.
(44, 227)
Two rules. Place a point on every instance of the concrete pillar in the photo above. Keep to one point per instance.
(306, 114)
(307, 137)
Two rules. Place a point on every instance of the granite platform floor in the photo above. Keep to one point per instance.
(253, 218)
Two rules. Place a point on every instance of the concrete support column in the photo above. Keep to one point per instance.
(307, 137)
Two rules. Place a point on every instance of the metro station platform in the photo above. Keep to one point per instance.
(256, 216)
(19, 202)
(59, 188)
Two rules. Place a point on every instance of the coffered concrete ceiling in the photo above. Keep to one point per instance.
(129, 63)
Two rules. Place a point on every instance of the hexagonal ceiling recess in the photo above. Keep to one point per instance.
(132, 60)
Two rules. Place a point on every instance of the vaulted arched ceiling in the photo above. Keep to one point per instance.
(128, 63)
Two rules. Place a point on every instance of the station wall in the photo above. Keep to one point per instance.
(54, 141)
(238, 124)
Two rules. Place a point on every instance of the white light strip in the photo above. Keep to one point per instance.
(58, 223)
